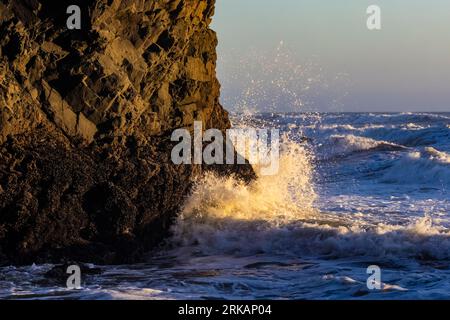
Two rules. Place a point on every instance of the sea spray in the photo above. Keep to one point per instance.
(279, 215)
(278, 80)
(235, 209)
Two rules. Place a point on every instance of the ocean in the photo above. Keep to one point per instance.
(353, 190)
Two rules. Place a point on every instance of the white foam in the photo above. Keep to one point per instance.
(219, 204)
(427, 167)
(276, 215)
(345, 144)
(350, 127)
(437, 155)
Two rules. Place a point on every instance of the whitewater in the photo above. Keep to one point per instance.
(353, 190)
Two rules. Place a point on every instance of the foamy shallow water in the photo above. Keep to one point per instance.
(367, 189)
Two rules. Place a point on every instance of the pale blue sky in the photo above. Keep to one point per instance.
(330, 60)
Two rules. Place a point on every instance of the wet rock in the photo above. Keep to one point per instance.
(85, 123)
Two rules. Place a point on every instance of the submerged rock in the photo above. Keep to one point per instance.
(85, 123)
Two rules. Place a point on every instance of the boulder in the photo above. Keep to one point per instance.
(85, 123)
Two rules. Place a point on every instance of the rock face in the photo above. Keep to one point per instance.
(85, 123)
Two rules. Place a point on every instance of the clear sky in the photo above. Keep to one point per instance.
(319, 55)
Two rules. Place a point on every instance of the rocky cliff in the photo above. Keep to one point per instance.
(85, 122)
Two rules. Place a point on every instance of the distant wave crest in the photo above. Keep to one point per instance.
(427, 167)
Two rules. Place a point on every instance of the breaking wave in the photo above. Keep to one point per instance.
(277, 215)
(429, 166)
(343, 145)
